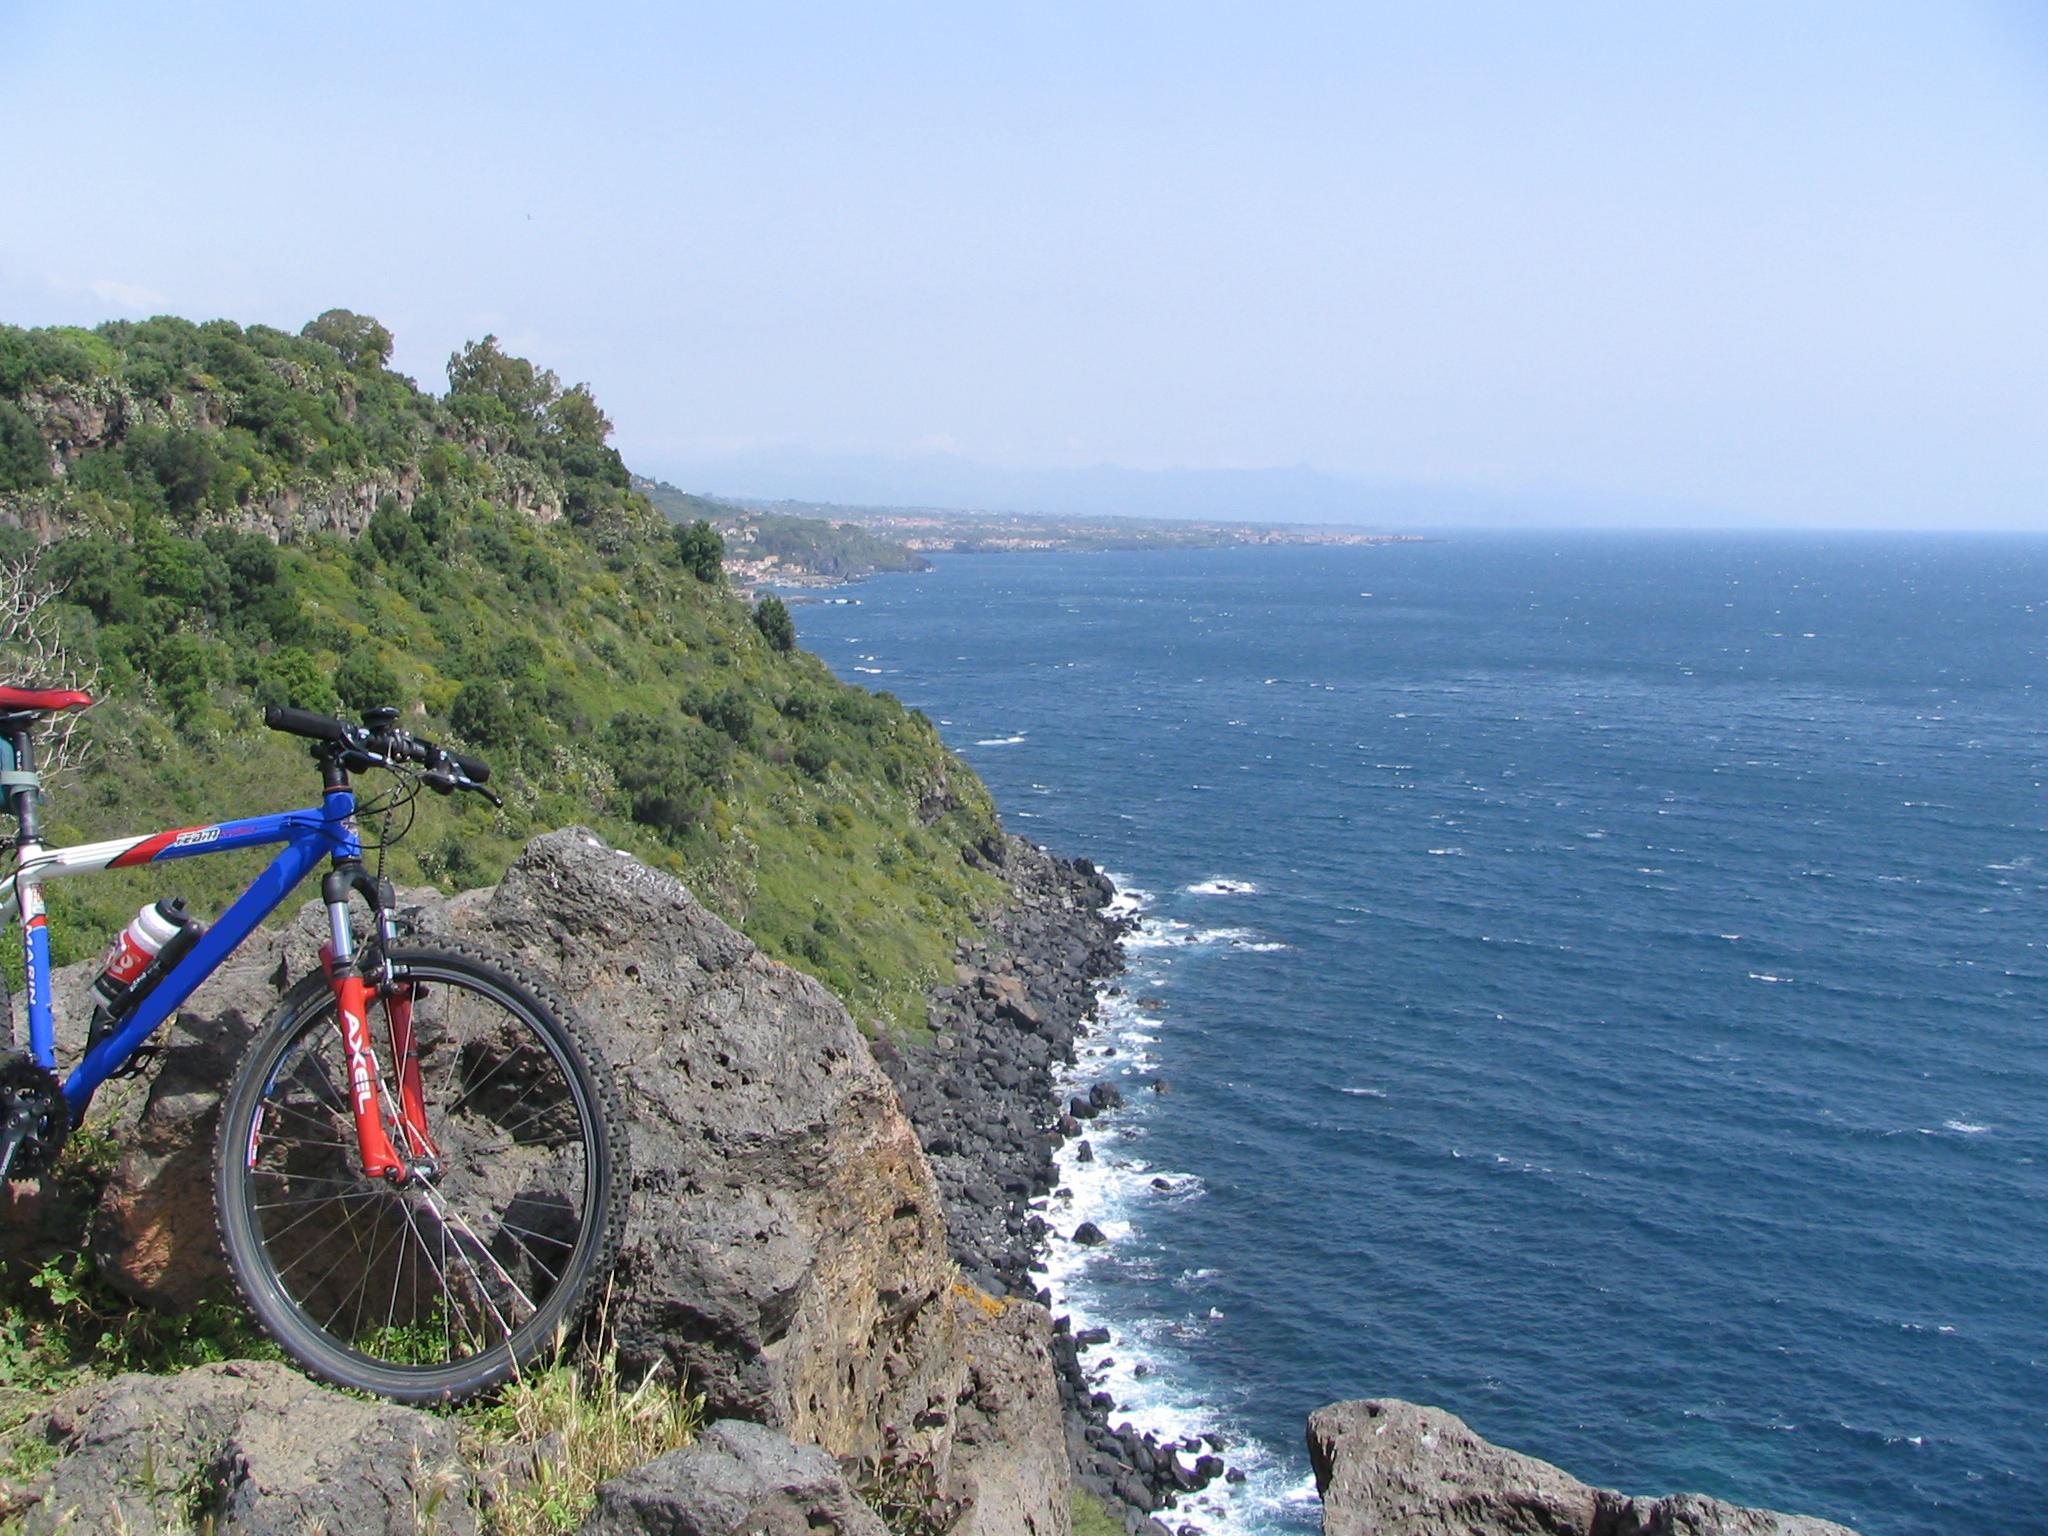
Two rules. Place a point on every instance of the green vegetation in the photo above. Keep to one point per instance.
(1091, 1516)
(775, 624)
(243, 516)
(594, 1428)
(701, 550)
(61, 1323)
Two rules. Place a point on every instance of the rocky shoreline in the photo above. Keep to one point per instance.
(985, 1098)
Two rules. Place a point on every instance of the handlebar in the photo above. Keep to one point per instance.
(303, 722)
(383, 744)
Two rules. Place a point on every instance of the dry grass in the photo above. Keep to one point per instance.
(576, 1425)
(905, 1492)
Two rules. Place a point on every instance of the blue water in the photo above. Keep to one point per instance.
(1633, 1038)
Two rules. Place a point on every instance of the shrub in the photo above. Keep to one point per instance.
(771, 617)
(702, 551)
(482, 713)
(666, 769)
(364, 682)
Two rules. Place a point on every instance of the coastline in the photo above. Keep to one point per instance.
(993, 1096)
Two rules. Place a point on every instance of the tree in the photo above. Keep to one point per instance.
(24, 456)
(480, 368)
(771, 617)
(34, 654)
(703, 551)
(364, 345)
(575, 418)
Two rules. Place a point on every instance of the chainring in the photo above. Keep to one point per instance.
(24, 1086)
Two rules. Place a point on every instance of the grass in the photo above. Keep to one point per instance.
(1091, 1517)
(578, 1424)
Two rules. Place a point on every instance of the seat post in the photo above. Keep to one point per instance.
(19, 779)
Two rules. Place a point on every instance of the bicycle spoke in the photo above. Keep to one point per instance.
(294, 1225)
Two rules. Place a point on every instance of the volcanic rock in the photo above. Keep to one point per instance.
(1389, 1468)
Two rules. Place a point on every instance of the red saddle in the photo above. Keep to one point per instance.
(43, 698)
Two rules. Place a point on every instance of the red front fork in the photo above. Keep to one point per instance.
(351, 996)
(412, 1096)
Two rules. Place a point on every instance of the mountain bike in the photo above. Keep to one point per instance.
(420, 1162)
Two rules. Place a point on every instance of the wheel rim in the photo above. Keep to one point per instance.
(456, 1267)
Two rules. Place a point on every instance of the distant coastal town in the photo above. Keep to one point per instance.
(810, 543)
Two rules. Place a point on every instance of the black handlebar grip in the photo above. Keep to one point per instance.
(474, 771)
(303, 722)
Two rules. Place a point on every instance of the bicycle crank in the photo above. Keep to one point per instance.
(34, 1117)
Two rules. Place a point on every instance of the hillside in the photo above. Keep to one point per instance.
(783, 547)
(235, 516)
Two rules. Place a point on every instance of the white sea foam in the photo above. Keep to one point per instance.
(1761, 976)
(1365, 1093)
(1222, 885)
(994, 741)
(1170, 933)
(1149, 1363)
(1157, 933)
(1964, 1128)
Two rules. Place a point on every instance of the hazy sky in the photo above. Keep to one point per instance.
(1788, 258)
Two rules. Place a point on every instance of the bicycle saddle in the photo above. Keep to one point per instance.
(43, 698)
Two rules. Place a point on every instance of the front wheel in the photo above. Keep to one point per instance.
(438, 1288)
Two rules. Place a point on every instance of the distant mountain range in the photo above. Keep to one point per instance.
(1296, 494)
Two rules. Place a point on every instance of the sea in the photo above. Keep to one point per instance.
(1590, 983)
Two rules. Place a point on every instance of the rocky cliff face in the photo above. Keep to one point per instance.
(785, 1253)
(75, 419)
(1389, 1468)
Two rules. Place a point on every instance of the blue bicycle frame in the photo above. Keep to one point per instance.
(324, 831)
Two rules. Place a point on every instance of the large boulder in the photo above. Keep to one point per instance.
(1388, 1468)
(785, 1252)
(734, 1477)
(252, 1445)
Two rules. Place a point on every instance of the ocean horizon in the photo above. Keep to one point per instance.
(1596, 980)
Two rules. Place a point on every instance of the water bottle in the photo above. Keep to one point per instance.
(161, 930)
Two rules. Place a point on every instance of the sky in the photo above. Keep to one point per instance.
(1779, 262)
